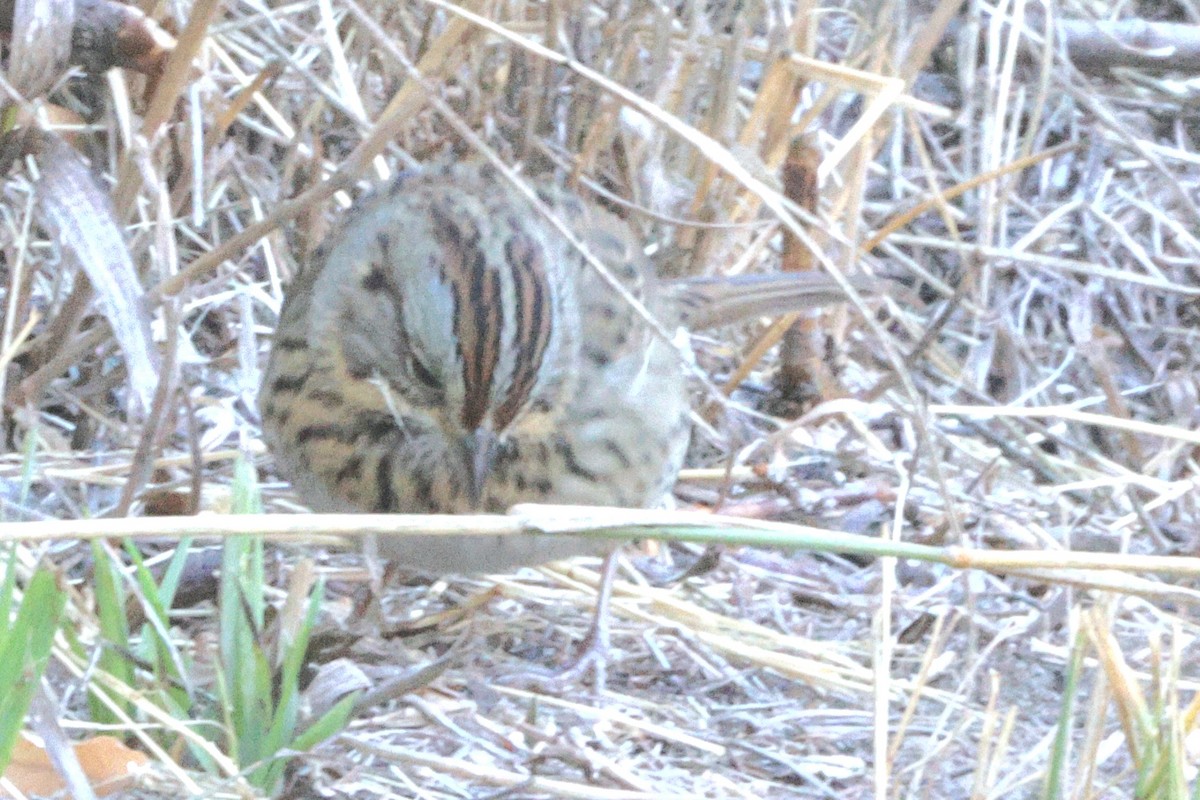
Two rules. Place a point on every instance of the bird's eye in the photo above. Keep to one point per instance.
(423, 374)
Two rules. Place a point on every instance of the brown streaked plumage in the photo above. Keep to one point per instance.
(448, 350)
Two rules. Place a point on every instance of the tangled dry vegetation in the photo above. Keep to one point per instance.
(1023, 378)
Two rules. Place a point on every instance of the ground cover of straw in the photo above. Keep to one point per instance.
(1022, 378)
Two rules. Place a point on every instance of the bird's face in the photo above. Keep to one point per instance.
(463, 325)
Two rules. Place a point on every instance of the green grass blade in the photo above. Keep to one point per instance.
(24, 655)
(246, 668)
(1053, 788)
(157, 646)
(8, 591)
(331, 722)
(287, 708)
(169, 585)
(114, 629)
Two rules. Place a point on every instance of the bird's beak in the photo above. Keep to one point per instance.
(481, 451)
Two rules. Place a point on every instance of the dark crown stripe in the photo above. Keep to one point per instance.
(527, 268)
(487, 309)
(478, 312)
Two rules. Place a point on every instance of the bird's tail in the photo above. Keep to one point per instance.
(713, 302)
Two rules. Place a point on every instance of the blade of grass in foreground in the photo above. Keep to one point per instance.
(245, 672)
(110, 611)
(25, 649)
(260, 674)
